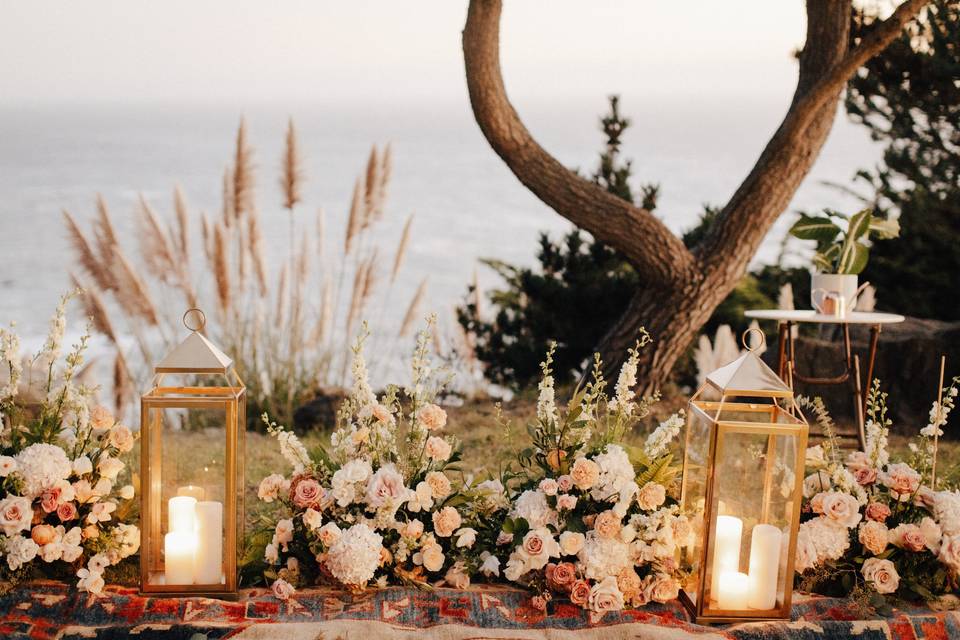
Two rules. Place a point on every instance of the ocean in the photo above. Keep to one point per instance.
(467, 204)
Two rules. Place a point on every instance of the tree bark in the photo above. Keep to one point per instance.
(682, 287)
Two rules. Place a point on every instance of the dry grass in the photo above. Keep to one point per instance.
(287, 341)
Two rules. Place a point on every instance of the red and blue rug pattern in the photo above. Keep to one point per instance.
(53, 610)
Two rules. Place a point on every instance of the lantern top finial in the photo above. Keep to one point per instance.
(196, 354)
(748, 375)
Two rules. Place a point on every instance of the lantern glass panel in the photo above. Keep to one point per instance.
(694, 490)
(187, 494)
(752, 497)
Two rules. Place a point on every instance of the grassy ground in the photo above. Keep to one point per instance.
(487, 445)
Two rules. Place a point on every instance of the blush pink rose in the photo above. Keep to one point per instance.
(865, 476)
(565, 483)
(580, 593)
(67, 512)
(877, 511)
(902, 480)
(50, 499)
(561, 576)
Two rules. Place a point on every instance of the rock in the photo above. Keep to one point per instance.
(319, 413)
(908, 367)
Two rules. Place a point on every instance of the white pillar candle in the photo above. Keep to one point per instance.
(764, 566)
(726, 550)
(179, 548)
(734, 591)
(209, 561)
(181, 515)
(191, 490)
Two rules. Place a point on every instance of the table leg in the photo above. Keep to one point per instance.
(783, 328)
(871, 360)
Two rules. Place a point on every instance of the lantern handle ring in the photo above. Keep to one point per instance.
(745, 339)
(202, 319)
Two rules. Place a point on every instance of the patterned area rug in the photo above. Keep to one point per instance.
(52, 610)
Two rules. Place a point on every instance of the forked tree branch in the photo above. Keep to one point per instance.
(659, 256)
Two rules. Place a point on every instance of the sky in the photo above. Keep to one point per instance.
(250, 52)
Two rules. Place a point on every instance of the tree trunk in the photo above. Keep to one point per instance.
(682, 287)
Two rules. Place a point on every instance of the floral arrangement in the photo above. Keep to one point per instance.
(61, 499)
(586, 517)
(379, 505)
(876, 528)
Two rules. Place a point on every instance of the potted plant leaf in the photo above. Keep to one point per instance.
(842, 252)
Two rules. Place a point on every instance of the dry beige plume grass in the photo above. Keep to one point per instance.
(286, 340)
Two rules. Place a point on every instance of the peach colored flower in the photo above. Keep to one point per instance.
(651, 496)
(433, 417)
(437, 448)
(66, 512)
(101, 419)
(555, 458)
(43, 534)
(902, 481)
(629, 584)
(877, 511)
(607, 525)
(439, 484)
(305, 492)
(585, 473)
(432, 557)
(549, 486)
(873, 536)
(565, 482)
(446, 521)
(121, 438)
(561, 576)
(580, 593)
(605, 596)
(571, 542)
(566, 502)
(15, 514)
(413, 529)
(865, 476)
(662, 588)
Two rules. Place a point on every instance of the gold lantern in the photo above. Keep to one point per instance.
(742, 487)
(192, 471)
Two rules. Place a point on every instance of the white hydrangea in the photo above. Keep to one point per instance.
(532, 506)
(946, 509)
(829, 539)
(19, 551)
(616, 473)
(658, 441)
(602, 557)
(42, 466)
(355, 556)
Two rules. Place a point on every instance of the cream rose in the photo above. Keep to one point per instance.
(585, 473)
(841, 508)
(121, 438)
(446, 521)
(282, 590)
(881, 574)
(329, 534)
(651, 496)
(15, 515)
(100, 418)
(432, 557)
(571, 542)
(661, 588)
(605, 596)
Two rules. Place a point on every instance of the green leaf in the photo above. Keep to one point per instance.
(885, 229)
(854, 260)
(859, 225)
(814, 228)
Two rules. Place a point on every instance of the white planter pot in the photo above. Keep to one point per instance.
(833, 294)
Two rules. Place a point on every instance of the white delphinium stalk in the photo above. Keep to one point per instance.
(547, 402)
(877, 428)
(658, 441)
(291, 448)
(939, 413)
(10, 353)
(421, 369)
(362, 393)
(626, 381)
(58, 325)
